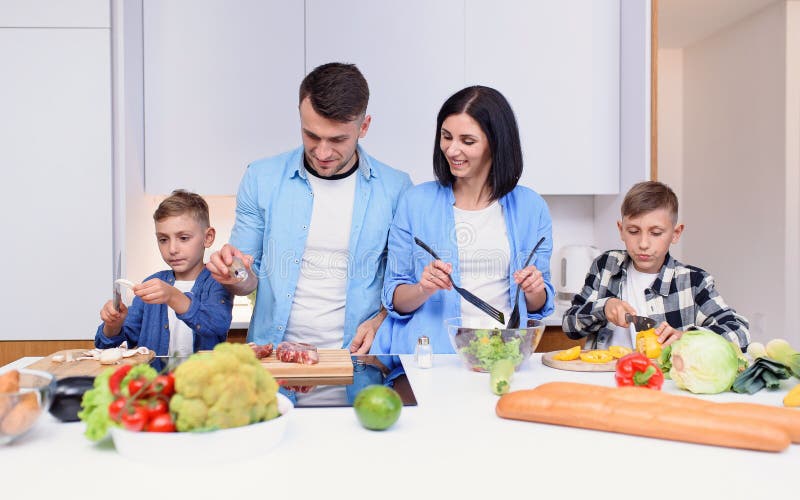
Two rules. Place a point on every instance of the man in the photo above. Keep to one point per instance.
(312, 224)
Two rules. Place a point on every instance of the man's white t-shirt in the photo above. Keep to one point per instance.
(483, 259)
(317, 314)
(181, 337)
(636, 282)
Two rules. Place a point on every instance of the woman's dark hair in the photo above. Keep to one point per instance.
(337, 91)
(494, 115)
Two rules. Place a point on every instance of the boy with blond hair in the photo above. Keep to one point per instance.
(645, 280)
(180, 310)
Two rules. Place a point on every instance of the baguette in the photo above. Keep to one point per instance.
(593, 409)
(787, 418)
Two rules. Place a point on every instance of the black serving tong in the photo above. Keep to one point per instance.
(468, 296)
(513, 321)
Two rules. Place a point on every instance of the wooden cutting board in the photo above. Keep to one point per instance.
(577, 365)
(84, 367)
(335, 367)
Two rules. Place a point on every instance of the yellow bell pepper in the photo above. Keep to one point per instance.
(568, 354)
(619, 351)
(597, 356)
(793, 397)
(647, 343)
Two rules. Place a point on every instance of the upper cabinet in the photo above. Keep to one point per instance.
(412, 63)
(220, 89)
(558, 65)
(55, 198)
(55, 14)
(221, 82)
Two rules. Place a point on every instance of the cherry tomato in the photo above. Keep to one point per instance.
(161, 423)
(115, 408)
(156, 407)
(164, 384)
(134, 418)
(135, 386)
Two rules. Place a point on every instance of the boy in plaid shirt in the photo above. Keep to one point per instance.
(645, 280)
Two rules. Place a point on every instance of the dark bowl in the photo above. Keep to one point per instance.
(67, 397)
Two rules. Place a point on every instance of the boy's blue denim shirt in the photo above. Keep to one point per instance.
(209, 317)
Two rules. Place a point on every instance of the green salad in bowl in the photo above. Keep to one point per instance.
(480, 348)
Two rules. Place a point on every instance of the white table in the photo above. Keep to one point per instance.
(452, 442)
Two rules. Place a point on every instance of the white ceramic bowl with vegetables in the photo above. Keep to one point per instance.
(480, 347)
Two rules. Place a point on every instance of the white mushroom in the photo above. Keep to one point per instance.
(110, 356)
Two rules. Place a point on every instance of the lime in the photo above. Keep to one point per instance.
(377, 407)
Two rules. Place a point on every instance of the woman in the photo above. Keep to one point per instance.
(477, 219)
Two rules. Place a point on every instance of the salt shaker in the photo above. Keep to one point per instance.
(238, 270)
(423, 355)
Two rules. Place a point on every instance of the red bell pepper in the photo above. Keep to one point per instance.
(116, 378)
(636, 369)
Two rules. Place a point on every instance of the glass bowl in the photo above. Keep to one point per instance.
(480, 347)
(21, 409)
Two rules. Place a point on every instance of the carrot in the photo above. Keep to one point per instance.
(593, 409)
(9, 383)
(22, 416)
(786, 418)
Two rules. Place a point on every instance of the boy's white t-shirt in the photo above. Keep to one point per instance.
(181, 337)
(483, 261)
(636, 282)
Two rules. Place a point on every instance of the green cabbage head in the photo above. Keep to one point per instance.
(703, 362)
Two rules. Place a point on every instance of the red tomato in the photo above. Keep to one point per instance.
(155, 407)
(134, 418)
(164, 384)
(161, 423)
(135, 386)
(115, 408)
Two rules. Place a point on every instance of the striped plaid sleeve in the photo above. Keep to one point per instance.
(714, 314)
(587, 313)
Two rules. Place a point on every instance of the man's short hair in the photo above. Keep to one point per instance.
(648, 196)
(337, 91)
(182, 202)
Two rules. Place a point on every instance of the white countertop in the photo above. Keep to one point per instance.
(452, 442)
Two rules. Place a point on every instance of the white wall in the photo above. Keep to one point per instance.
(634, 118)
(735, 168)
(670, 127)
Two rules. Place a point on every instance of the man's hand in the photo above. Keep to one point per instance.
(667, 334)
(112, 318)
(220, 261)
(155, 291)
(365, 333)
(615, 310)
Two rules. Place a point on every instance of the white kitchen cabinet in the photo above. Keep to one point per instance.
(412, 55)
(220, 87)
(558, 65)
(55, 14)
(55, 196)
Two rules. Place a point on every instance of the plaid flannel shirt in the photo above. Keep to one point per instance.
(683, 296)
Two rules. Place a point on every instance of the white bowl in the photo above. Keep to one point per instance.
(192, 448)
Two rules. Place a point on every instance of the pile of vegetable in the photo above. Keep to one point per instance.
(488, 346)
(223, 388)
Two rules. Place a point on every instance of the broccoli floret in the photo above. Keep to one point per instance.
(225, 388)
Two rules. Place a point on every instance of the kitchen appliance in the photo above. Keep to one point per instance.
(574, 262)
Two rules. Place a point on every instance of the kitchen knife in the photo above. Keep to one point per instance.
(117, 296)
(640, 323)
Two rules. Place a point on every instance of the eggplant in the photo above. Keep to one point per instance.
(67, 398)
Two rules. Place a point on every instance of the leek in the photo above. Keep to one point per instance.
(782, 352)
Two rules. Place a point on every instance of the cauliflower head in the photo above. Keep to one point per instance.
(224, 388)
